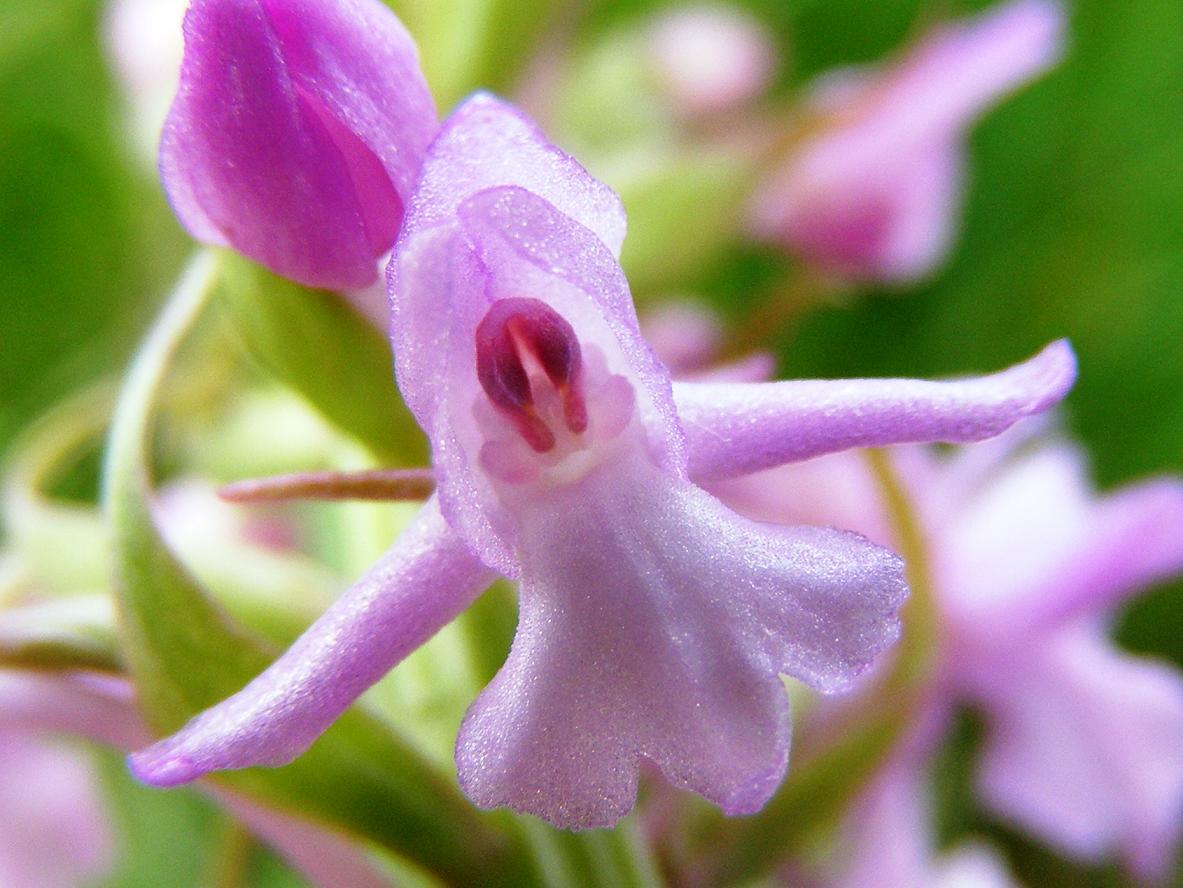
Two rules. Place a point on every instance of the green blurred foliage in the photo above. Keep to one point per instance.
(475, 44)
(312, 341)
(180, 839)
(87, 238)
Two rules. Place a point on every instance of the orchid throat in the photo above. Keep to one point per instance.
(555, 404)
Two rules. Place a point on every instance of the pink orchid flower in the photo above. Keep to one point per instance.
(872, 190)
(654, 621)
(711, 59)
(56, 829)
(1083, 740)
(297, 133)
(887, 837)
(68, 839)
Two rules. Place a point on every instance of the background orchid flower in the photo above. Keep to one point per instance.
(56, 830)
(711, 59)
(887, 837)
(654, 621)
(1082, 739)
(51, 788)
(871, 189)
(297, 134)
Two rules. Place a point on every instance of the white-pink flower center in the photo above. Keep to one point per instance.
(550, 403)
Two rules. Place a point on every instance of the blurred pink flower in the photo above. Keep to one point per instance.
(54, 832)
(871, 189)
(711, 58)
(688, 338)
(887, 837)
(684, 335)
(54, 829)
(1083, 743)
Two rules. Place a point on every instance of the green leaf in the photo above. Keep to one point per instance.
(41, 530)
(316, 343)
(186, 654)
(69, 633)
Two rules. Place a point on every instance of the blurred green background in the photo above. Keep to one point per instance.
(1073, 227)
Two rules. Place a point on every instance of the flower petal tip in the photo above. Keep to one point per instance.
(893, 584)
(752, 797)
(1043, 23)
(162, 767)
(1049, 375)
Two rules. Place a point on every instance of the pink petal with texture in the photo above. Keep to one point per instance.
(507, 242)
(736, 428)
(424, 580)
(654, 624)
(297, 133)
(485, 143)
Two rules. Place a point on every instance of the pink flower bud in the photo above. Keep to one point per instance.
(297, 133)
(711, 59)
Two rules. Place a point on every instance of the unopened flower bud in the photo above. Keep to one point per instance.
(712, 59)
(297, 133)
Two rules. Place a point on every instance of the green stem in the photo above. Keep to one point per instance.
(125, 479)
(777, 312)
(916, 654)
(233, 857)
(600, 858)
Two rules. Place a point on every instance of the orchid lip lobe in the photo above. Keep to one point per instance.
(523, 346)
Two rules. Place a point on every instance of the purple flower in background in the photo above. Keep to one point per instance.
(56, 834)
(1083, 741)
(871, 190)
(297, 134)
(887, 841)
(654, 621)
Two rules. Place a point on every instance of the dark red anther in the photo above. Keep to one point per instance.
(518, 336)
